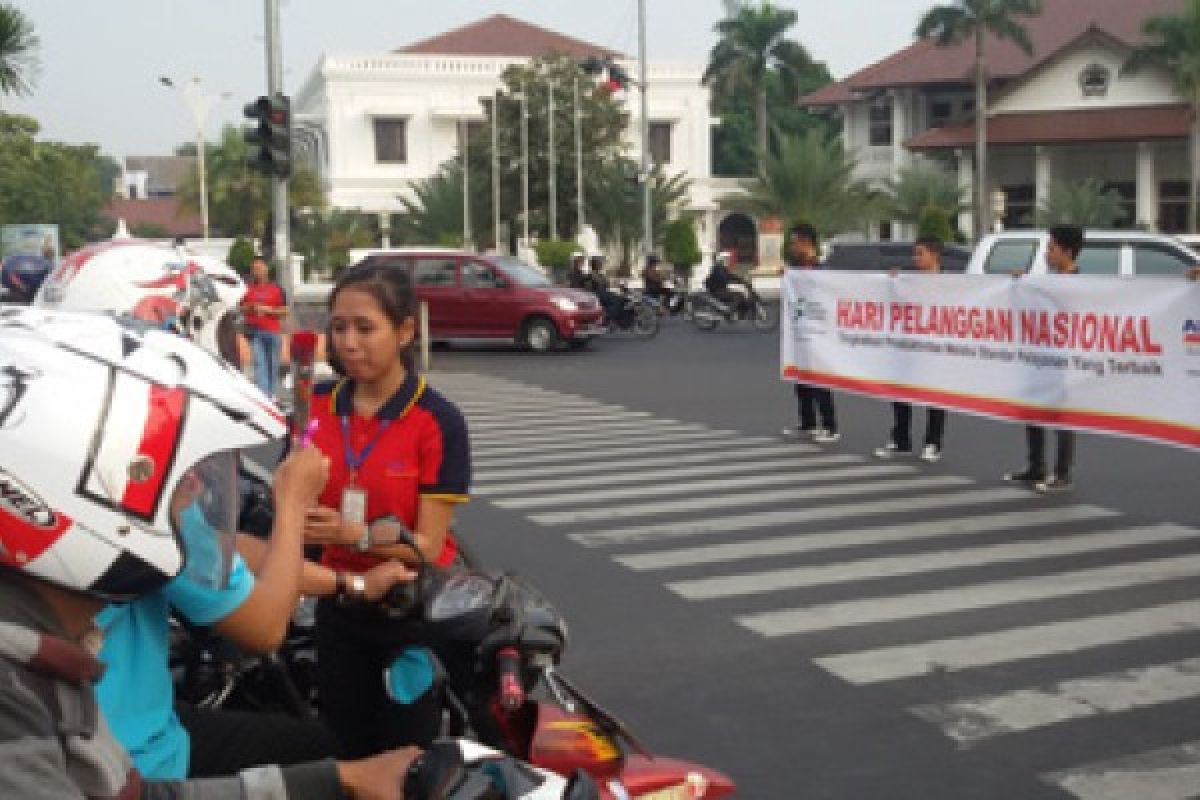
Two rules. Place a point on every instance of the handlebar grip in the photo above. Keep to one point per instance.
(508, 664)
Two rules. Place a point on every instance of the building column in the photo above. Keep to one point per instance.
(385, 240)
(1147, 187)
(1043, 175)
(966, 182)
(902, 123)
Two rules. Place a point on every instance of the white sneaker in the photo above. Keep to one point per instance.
(931, 453)
(890, 450)
(795, 431)
(826, 436)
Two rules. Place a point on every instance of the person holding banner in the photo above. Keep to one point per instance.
(801, 253)
(927, 258)
(1066, 241)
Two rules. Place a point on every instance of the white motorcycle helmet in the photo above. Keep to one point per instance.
(196, 296)
(118, 453)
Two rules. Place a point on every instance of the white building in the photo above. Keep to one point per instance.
(377, 122)
(1064, 113)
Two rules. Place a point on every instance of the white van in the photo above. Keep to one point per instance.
(1104, 253)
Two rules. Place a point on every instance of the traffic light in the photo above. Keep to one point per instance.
(272, 134)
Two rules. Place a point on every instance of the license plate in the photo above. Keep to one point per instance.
(680, 791)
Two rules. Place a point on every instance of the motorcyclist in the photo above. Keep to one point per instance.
(117, 452)
(654, 285)
(597, 284)
(577, 277)
(726, 286)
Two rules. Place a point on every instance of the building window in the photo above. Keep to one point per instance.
(391, 140)
(940, 112)
(880, 124)
(1018, 206)
(1172, 206)
(660, 142)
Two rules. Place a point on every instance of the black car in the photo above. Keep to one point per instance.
(884, 256)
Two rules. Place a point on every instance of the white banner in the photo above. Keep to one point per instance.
(1110, 355)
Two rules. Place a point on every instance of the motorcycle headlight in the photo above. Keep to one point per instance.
(565, 304)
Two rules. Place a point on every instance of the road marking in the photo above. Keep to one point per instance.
(531, 404)
(711, 526)
(714, 442)
(489, 441)
(1015, 644)
(817, 542)
(873, 610)
(1172, 773)
(977, 719)
(723, 467)
(692, 504)
(917, 564)
(647, 442)
(619, 467)
(525, 420)
(693, 487)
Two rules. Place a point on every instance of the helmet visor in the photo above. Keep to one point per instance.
(204, 510)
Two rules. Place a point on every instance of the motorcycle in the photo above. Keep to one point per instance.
(494, 640)
(708, 312)
(637, 312)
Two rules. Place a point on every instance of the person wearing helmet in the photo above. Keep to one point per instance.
(577, 277)
(721, 281)
(654, 284)
(117, 472)
(597, 284)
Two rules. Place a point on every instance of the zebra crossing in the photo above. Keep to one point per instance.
(845, 553)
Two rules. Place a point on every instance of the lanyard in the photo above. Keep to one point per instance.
(355, 460)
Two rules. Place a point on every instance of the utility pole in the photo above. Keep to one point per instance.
(464, 130)
(525, 164)
(553, 188)
(199, 104)
(279, 184)
(496, 171)
(578, 160)
(647, 211)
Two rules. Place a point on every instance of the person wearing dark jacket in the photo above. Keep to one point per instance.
(815, 403)
(577, 277)
(720, 282)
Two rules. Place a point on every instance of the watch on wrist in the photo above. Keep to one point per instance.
(358, 587)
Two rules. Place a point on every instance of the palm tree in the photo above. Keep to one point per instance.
(433, 214)
(1175, 46)
(18, 61)
(951, 25)
(808, 179)
(920, 189)
(1086, 203)
(751, 45)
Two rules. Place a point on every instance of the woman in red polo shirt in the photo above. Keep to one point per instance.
(398, 454)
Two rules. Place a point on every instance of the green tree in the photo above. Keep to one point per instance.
(239, 198)
(1087, 203)
(325, 238)
(920, 189)
(680, 246)
(18, 51)
(241, 255)
(1174, 45)
(950, 25)
(616, 205)
(603, 122)
(431, 212)
(51, 182)
(752, 46)
(934, 222)
(811, 178)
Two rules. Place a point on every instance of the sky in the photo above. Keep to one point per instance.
(101, 59)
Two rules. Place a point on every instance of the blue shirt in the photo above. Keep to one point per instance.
(136, 693)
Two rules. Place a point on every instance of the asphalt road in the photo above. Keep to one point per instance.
(820, 624)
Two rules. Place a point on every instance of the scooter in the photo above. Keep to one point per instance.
(637, 313)
(494, 640)
(708, 312)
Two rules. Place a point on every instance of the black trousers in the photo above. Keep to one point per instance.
(354, 646)
(935, 426)
(1035, 436)
(226, 742)
(814, 399)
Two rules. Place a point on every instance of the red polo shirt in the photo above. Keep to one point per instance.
(422, 452)
(263, 294)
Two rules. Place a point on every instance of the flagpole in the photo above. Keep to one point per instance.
(578, 159)
(553, 188)
(647, 213)
(524, 164)
(496, 172)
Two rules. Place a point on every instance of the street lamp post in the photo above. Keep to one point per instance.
(524, 165)
(199, 104)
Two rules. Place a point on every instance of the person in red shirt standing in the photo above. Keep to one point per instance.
(264, 308)
(399, 458)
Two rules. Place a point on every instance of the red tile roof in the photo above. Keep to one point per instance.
(502, 35)
(1052, 127)
(1060, 23)
(162, 212)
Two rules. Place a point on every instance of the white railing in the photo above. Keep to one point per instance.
(481, 66)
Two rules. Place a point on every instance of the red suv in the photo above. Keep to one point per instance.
(494, 297)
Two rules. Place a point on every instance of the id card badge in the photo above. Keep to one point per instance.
(354, 505)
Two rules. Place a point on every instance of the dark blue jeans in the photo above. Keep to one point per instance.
(265, 346)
